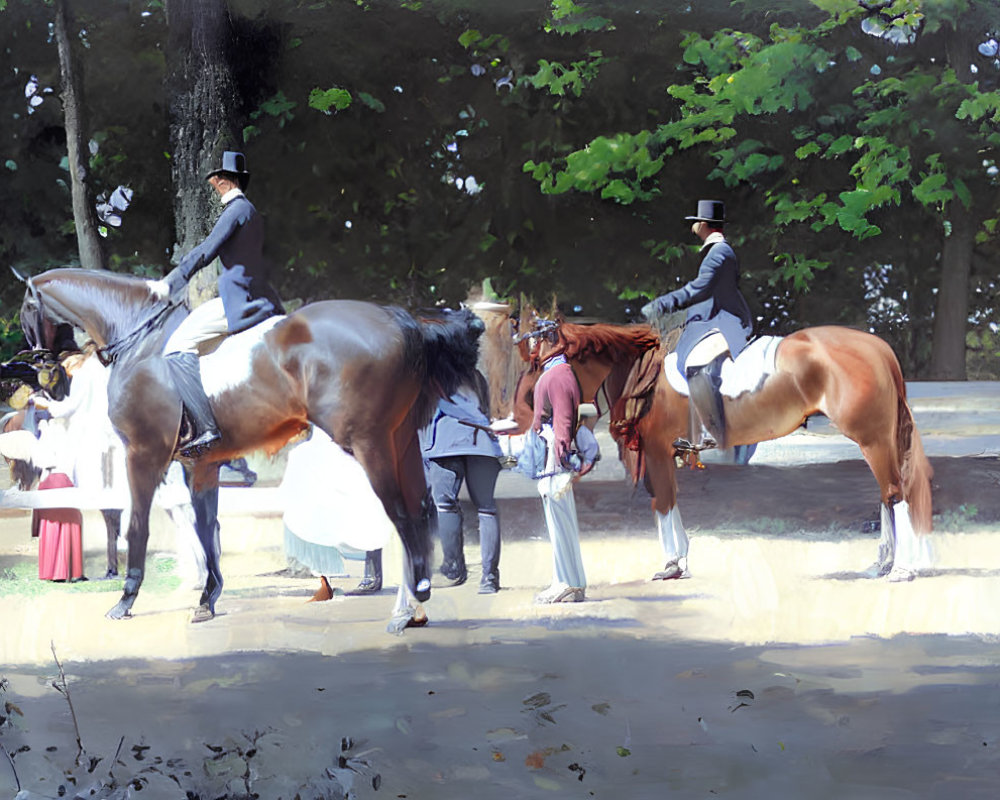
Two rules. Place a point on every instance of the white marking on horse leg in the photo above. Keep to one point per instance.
(911, 554)
(673, 537)
(886, 543)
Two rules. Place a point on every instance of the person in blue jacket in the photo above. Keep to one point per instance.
(245, 296)
(718, 322)
(459, 447)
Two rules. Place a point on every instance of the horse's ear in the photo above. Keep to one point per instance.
(18, 275)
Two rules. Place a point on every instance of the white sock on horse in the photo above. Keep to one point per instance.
(913, 552)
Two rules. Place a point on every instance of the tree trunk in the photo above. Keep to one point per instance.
(951, 312)
(84, 215)
(205, 120)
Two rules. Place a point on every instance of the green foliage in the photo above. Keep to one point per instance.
(326, 99)
(568, 19)
(796, 270)
(277, 108)
(619, 166)
(11, 338)
(558, 79)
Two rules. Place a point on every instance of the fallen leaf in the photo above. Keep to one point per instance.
(537, 700)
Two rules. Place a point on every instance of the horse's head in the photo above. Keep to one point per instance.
(539, 338)
(114, 310)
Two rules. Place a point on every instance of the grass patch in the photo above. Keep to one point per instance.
(20, 578)
(960, 520)
(777, 528)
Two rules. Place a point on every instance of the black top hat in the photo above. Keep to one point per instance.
(710, 211)
(235, 164)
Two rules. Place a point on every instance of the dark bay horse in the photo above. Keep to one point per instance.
(367, 375)
(851, 377)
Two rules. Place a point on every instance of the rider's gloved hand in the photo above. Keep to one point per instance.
(160, 289)
(658, 307)
(176, 282)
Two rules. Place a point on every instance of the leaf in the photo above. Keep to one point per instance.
(469, 38)
(931, 190)
(623, 751)
(325, 99)
(372, 102)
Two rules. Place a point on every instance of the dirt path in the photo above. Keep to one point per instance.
(860, 689)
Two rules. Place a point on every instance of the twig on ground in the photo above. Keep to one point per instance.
(63, 687)
(111, 770)
(10, 761)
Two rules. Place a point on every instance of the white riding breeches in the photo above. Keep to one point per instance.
(707, 350)
(206, 322)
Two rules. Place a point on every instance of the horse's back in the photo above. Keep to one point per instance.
(344, 325)
(835, 346)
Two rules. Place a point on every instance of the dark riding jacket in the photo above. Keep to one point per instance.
(713, 301)
(460, 428)
(238, 240)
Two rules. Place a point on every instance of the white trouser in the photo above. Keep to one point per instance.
(206, 322)
(707, 350)
(559, 506)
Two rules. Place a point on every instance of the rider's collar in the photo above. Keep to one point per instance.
(554, 361)
(713, 238)
(231, 195)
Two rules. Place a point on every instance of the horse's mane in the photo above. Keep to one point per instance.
(119, 303)
(606, 341)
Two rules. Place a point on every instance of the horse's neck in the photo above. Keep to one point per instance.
(591, 374)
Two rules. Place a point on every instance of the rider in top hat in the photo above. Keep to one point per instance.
(245, 297)
(718, 320)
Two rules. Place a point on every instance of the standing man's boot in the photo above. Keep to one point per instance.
(186, 372)
(371, 583)
(704, 385)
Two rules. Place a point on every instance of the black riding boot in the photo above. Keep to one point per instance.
(704, 384)
(371, 583)
(186, 373)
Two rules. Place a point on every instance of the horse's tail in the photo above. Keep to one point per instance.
(915, 468)
(445, 349)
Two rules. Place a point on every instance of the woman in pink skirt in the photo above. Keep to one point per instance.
(60, 535)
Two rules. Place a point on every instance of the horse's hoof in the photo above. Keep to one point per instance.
(901, 575)
(202, 614)
(423, 590)
(118, 612)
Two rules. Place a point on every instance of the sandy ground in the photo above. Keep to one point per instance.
(777, 670)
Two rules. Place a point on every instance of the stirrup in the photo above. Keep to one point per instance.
(198, 447)
(685, 446)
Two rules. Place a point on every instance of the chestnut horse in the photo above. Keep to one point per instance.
(851, 377)
(367, 375)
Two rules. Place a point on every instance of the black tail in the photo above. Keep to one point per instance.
(444, 346)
